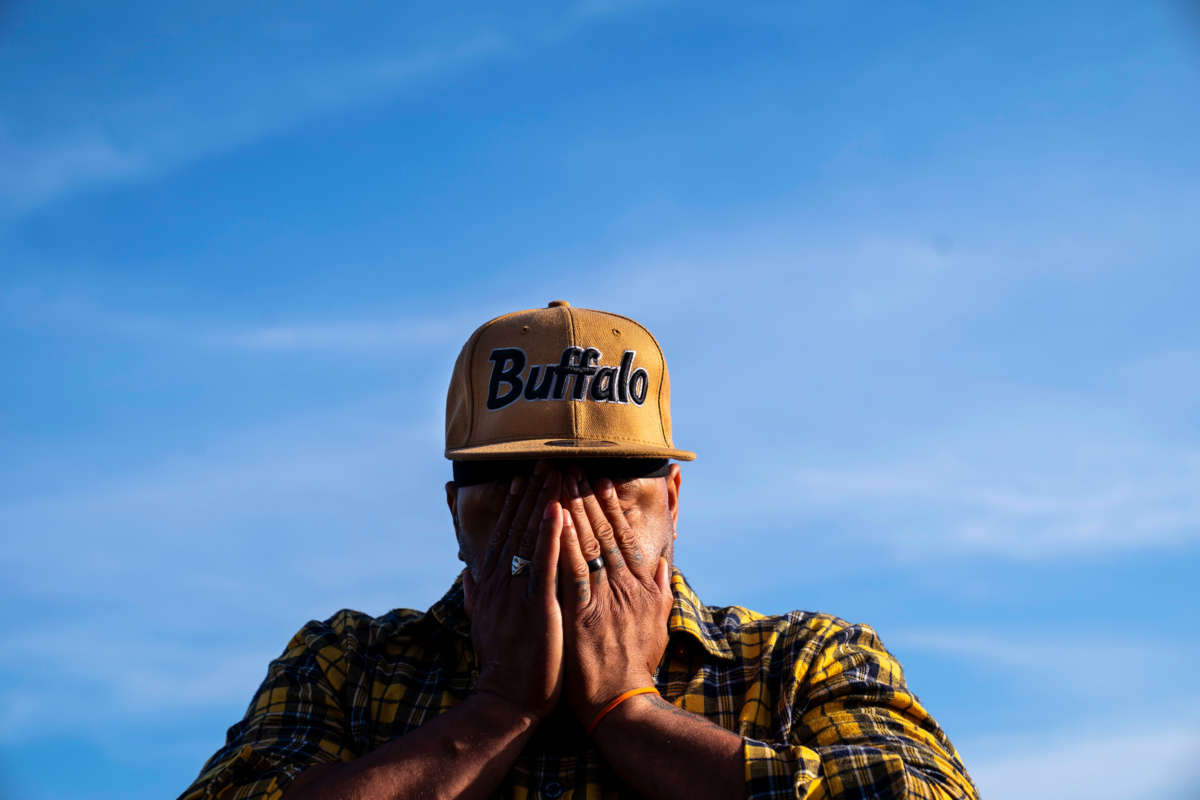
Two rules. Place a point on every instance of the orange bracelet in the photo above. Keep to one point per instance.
(616, 701)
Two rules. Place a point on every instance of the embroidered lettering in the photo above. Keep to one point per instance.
(639, 381)
(507, 365)
(578, 372)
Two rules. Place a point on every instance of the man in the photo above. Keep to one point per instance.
(570, 659)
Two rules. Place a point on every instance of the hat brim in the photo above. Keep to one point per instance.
(565, 448)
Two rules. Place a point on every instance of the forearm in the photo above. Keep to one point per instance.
(464, 753)
(666, 752)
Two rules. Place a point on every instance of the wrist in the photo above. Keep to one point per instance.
(493, 705)
(605, 700)
(597, 697)
(624, 709)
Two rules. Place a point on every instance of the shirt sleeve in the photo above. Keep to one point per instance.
(853, 730)
(295, 720)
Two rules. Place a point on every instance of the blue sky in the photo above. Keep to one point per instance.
(925, 274)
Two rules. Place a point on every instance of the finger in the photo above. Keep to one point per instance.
(516, 489)
(601, 528)
(545, 554)
(525, 510)
(624, 534)
(583, 526)
(574, 587)
(547, 495)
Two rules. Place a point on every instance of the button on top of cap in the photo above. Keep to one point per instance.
(558, 304)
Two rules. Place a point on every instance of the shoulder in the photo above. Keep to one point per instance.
(349, 632)
(800, 640)
(744, 625)
(796, 638)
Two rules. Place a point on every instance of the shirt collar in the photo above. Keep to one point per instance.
(451, 612)
(689, 616)
(692, 618)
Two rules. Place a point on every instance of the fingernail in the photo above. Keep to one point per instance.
(552, 508)
(515, 486)
(606, 487)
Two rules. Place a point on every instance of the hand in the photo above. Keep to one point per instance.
(614, 619)
(516, 624)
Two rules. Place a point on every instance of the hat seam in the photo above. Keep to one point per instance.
(574, 339)
(662, 360)
(470, 384)
(662, 381)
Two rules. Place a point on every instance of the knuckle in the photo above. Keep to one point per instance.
(618, 560)
(582, 591)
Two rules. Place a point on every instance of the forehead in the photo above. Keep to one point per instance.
(619, 470)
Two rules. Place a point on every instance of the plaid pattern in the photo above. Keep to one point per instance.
(822, 707)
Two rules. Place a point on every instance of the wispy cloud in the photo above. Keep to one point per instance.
(348, 464)
(163, 133)
(76, 311)
(601, 8)
(1088, 666)
(33, 173)
(1020, 491)
(125, 676)
(133, 672)
(342, 337)
(1120, 758)
(158, 133)
(1114, 712)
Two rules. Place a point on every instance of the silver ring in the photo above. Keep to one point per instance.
(519, 565)
(596, 564)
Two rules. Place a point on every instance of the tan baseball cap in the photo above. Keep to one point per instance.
(560, 382)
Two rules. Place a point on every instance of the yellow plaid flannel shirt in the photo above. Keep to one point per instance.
(821, 706)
